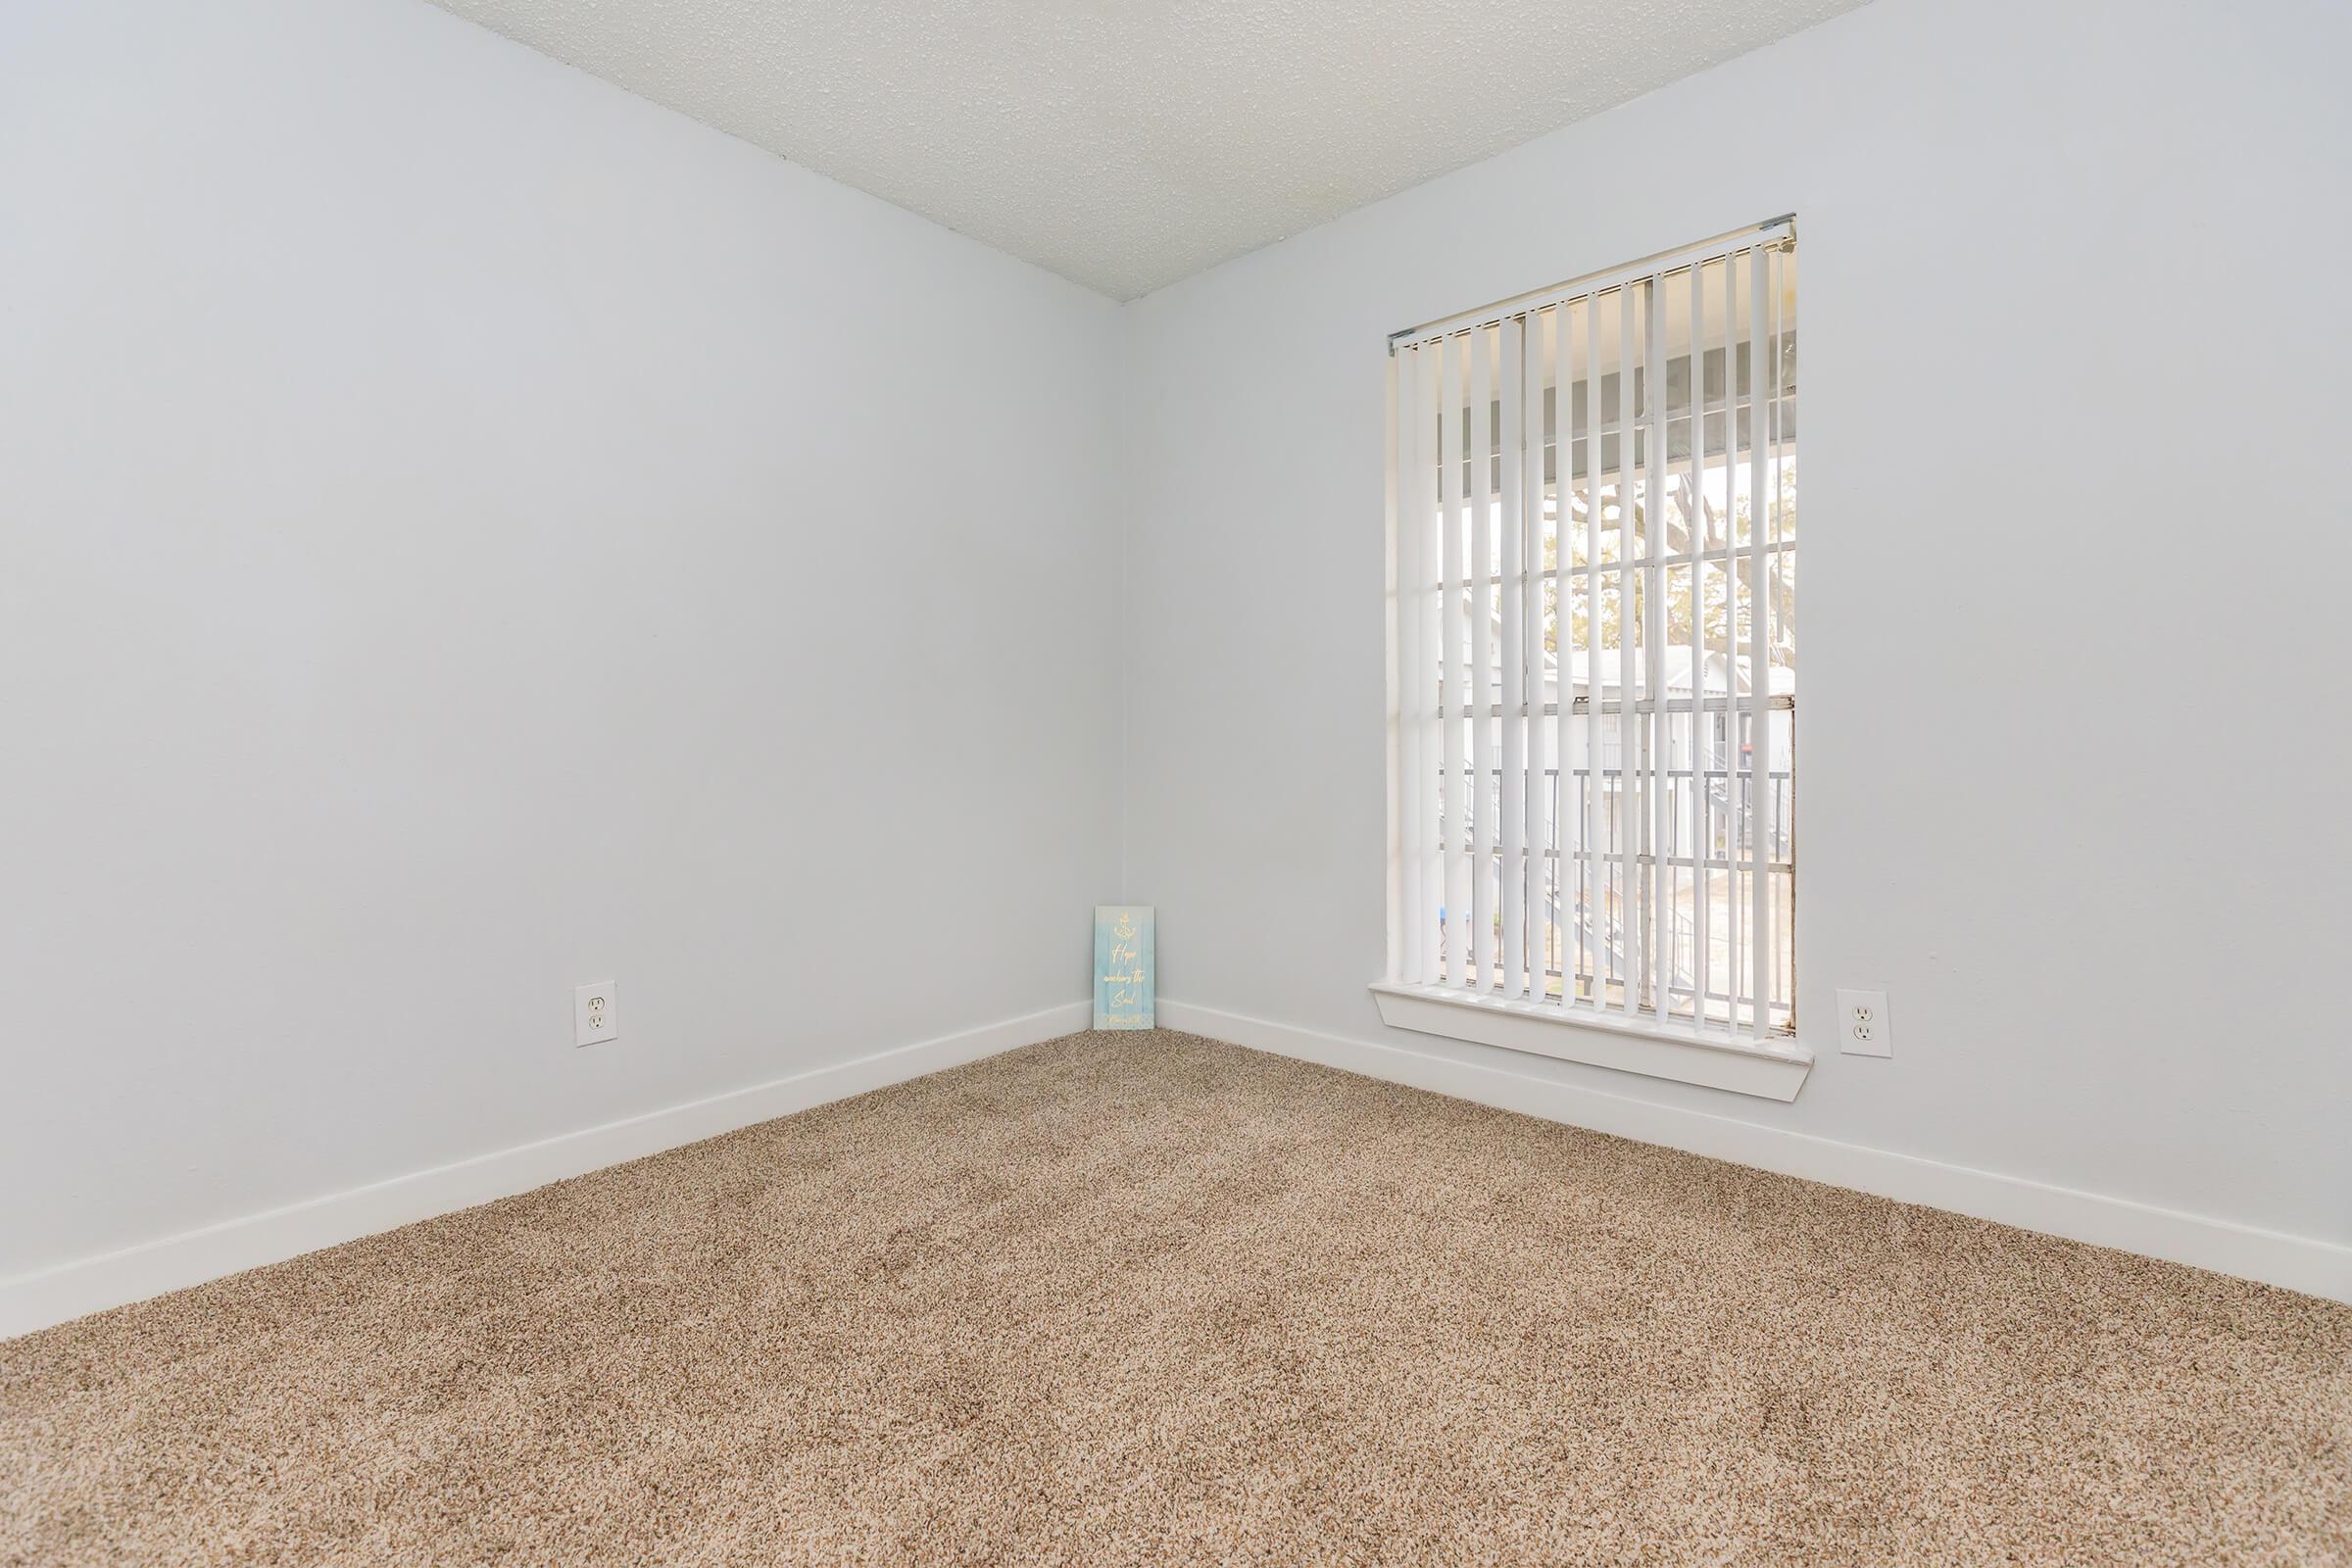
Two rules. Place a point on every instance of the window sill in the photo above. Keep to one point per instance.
(1768, 1069)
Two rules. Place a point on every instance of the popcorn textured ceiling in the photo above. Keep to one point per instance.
(1127, 144)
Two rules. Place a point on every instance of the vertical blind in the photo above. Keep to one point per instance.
(1594, 645)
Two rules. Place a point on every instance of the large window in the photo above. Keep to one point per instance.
(1594, 648)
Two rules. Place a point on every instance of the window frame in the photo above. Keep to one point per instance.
(1415, 992)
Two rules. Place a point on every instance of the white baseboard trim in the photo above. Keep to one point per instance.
(65, 1291)
(2299, 1263)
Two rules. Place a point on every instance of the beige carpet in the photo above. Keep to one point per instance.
(1145, 1298)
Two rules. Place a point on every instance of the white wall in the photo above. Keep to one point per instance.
(465, 531)
(2075, 556)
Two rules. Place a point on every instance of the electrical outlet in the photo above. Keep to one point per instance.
(1864, 1027)
(594, 1015)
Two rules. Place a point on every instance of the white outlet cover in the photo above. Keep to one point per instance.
(1864, 1026)
(594, 1015)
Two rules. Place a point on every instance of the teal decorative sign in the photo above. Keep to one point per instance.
(1123, 965)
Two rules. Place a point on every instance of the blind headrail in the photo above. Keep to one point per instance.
(1783, 227)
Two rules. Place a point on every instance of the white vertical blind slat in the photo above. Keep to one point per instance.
(1769, 993)
(1625, 808)
(1760, 675)
(1657, 885)
(1531, 643)
(1596, 913)
(1735, 950)
(1428, 646)
(1564, 831)
(1400, 600)
(1482, 647)
(1695, 522)
(1411, 595)
(1511, 609)
(1454, 802)
(1399, 704)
